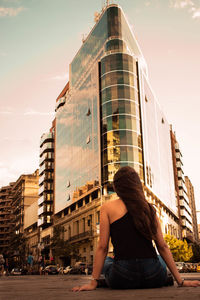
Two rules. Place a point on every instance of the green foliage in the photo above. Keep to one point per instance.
(61, 248)
(18, 248)
(181, 251)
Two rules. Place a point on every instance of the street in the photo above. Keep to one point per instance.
(58, 287)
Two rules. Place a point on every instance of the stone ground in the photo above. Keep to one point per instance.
(58, 287)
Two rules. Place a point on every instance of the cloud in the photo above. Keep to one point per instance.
(61, 77)
(11, 170)
(5, 112)
(181, 4)
(10, 11)
(196, 14)
(32, 112)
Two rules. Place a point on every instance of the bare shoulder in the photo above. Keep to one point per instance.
(110, 204)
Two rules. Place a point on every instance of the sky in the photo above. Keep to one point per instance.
(38, 40)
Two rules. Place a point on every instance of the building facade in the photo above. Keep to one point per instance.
(31, 231)
(108, 117)
(24, 193)
(46, 180)
(184, 210)
(191, 197)
(6, 218)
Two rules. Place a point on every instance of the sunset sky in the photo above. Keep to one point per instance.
(38, 40)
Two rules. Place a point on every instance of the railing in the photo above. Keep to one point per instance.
(46, 136)
(46, 146)
(83, 235)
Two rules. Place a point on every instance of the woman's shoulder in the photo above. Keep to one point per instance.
(114, 206)
(111, 203)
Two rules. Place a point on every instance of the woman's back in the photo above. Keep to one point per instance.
(127, 241)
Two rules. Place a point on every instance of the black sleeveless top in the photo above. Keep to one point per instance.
(128, 242)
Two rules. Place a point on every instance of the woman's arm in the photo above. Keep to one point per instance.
(101, 251)
(166, 254)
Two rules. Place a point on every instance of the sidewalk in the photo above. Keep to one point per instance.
(58, 287)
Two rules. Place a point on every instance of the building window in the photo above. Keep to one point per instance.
(88, 139)
(88, 112)
(68, 183)
(98, 217)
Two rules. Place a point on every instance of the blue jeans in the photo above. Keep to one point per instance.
(135, 273)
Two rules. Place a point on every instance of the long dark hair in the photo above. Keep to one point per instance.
(129, 188)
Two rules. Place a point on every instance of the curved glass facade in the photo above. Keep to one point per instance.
(98, 128)
(120, 114)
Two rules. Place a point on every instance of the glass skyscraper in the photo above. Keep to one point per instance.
(108, 117)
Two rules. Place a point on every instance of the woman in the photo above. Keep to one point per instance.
(132, 224)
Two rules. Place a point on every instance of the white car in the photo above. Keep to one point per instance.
(16, 271)
(67, 270)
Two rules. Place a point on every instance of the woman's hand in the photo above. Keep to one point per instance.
(87, 287)
(193, 283)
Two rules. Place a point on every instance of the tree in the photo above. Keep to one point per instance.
(18, 249)
(181, 251)
(60, 248)
(196, 252)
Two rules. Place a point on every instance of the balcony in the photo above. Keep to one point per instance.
(4, 212)
(46, 167)
(40, 210)
(40, 222)
(183, 195)
(181, 175)
(178, 156)
(41, 190)
(41, 179)
(4, 219)
(46, 156)
(186, 224)
(82, 236)
(47, 176)
(3, 233)
(5, 206)
(46, 137)
(184, 205)
(179, 165)
(46, 187)
(46, 147)
(181, 185)
(40, 200)
(45, 209)
(60, 103)
(4, 238)
(185, 214)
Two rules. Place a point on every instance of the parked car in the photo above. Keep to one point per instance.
(51, 270)
(60, 270)
(88, 269)
(180, 266)
(79, 268)
(198, 267)
(67, 270)
(16, 271)
(24, 271)
(193, 267)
